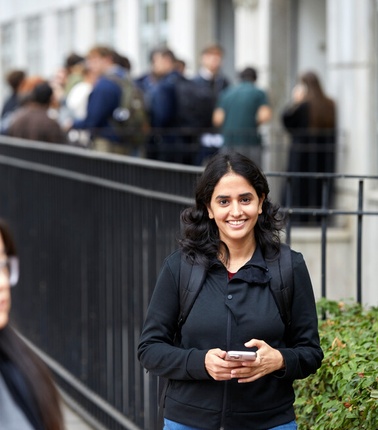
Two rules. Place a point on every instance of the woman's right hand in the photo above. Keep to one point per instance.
(299, 93)
(216, 365)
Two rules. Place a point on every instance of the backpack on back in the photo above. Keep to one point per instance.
(195, 103)
(130, 117)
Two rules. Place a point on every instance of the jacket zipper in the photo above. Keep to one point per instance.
(223, 419)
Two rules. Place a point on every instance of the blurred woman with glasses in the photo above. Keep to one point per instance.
(29, 399)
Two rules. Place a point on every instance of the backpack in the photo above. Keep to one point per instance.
(130, 118)
(195, 103)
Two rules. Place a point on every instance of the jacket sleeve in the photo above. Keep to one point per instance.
(156, 350)
(164, 105)
(303, 355)
(295, 118)
(102, 102)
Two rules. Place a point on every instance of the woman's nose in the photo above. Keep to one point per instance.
(236, 210)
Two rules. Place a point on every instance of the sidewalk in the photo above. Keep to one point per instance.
(73, 421)
(76, 418)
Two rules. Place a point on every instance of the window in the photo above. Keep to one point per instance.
(154, 27)
(7, 47)
(33, 45)
(104, 22)
(6, 54)
(66, 32)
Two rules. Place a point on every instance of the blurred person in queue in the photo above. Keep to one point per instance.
(240, 111)
(14, 79)
(33, 120)
(232, 230)
(29, 399)
(311, 120)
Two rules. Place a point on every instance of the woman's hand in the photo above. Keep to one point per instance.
(267, 361)
(217, 367)
(299, 93)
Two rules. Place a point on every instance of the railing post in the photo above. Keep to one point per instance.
(359, 240)
(288, 205)
(325, 194)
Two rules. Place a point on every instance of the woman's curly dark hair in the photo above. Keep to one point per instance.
(200, 237)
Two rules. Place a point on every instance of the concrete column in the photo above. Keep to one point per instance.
(85, 27)
(20, 43)
(127, 20)
(352, 57)
(50, 57)
(252, 28)
(351, 65)
(279, 57)
(191, 28)
(278, 87)
(182, 30)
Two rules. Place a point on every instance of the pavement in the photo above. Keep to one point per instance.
(73, 421)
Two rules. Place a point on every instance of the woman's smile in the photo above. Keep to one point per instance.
(236, 223)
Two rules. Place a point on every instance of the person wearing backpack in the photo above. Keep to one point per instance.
(233, 231)
(102, 102)
(111, 107)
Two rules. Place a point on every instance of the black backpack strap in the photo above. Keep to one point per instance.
(281, 284)
(192, 277)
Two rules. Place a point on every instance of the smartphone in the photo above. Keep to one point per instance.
(241, 355)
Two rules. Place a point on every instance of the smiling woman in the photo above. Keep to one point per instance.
(28, 397)
(235, 207)
(233, 230)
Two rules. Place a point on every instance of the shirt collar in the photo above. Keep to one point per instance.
(206, 74)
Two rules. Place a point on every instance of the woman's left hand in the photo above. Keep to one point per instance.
(267, 361)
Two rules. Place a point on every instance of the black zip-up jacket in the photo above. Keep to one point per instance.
(225, 315)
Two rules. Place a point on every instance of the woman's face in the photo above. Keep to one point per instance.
(235, 207)
(5, 300)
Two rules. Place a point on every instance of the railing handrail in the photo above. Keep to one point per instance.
(83, 152)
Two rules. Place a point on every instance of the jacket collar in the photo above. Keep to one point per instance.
(255, 271)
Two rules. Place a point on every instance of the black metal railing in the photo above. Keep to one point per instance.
(92, 230)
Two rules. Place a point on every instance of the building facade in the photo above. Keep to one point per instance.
(338, 39)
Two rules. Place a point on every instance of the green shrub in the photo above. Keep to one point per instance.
(343, 394)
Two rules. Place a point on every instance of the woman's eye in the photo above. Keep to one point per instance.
(223, 202)
(246, 200)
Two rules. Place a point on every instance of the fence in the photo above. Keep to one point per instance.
(92, 230)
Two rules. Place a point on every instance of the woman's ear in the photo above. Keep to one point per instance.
(261, 201)
(210, 212)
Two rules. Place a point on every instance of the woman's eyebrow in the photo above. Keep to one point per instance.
(247, 194)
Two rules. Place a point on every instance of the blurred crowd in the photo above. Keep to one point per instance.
(94, 101)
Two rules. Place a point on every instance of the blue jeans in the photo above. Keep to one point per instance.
(172, 425)
(292, 425)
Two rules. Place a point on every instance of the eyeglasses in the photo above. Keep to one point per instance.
(10, 267)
